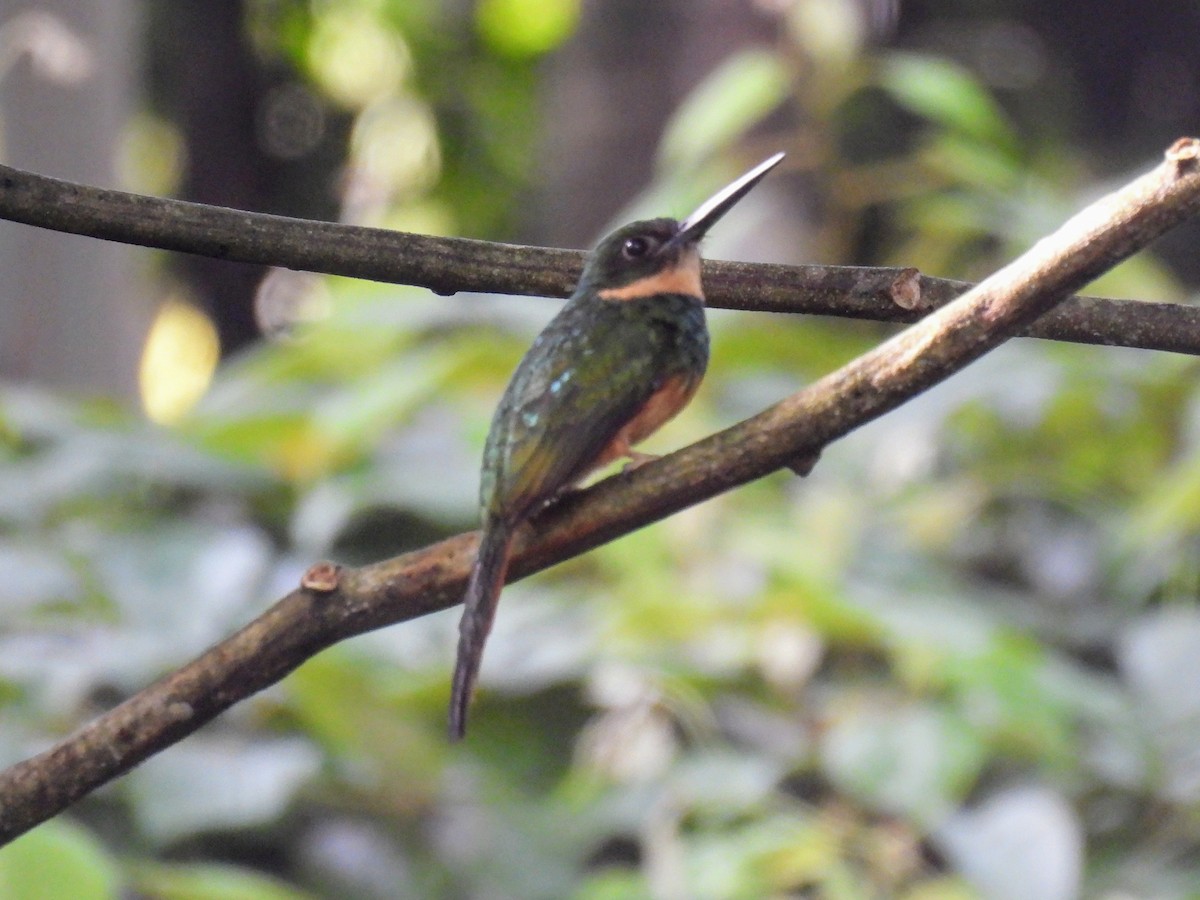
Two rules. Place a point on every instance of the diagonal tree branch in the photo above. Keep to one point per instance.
(334, 603)
(449, 265)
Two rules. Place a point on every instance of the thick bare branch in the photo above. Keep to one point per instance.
(449, 265)
(334, 603)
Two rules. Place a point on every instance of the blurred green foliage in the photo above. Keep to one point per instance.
(440, 93)
(959, 659)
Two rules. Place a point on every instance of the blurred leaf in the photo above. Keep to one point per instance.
(733, 97)
(915, 760)
(612, 883)
(1168, 508)
(58, 860)
(212, 882)
(163, 595)
(210, 784)
(354, 57)
(36, 575)
(341, 700)
(181, 576)
(970, 165)
(526, 27)
(104, 465)
(768, 856)
(1019, 844)
(724, 786)
(36, 415)
(1018, 701)
(357, 416)
(949, 95)
(947, 888)
(1159, 653)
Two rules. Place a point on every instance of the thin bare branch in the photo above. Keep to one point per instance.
(449, 265)
(333, 603)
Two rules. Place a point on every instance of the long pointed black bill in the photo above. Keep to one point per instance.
(697, 224)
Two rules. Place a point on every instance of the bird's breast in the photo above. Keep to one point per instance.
(662, 406)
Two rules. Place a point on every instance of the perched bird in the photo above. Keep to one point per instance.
(622, 357)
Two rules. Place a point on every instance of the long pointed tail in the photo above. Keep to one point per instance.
(479, 609)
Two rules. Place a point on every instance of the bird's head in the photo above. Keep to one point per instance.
(662, 256)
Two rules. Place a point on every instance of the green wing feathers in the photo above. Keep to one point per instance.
(589, 373)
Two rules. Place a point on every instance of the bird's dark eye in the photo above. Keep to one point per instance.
(635, 247)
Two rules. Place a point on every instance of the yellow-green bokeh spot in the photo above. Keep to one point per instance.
(355, 58)
(59, 859)
(524, 28)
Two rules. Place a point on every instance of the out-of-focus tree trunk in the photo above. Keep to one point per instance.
(208, 78)
(71, 313)
(208, 81)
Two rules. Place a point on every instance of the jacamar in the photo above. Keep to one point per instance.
(621, 358)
